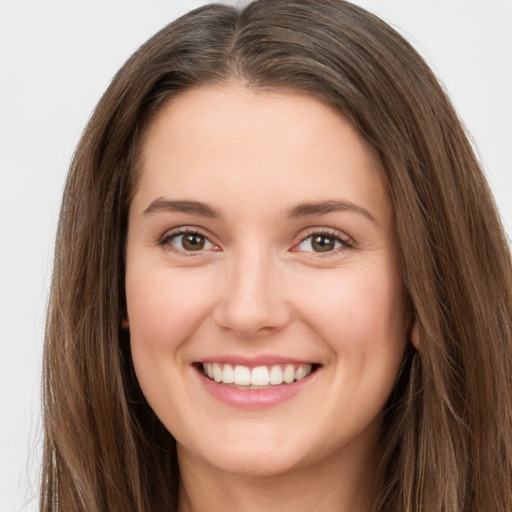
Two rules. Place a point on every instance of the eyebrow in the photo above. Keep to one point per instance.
(182, 206)
(330, 206)
(162, 205)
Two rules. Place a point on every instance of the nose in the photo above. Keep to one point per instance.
(251, 303)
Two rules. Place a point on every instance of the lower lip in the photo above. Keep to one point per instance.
(254, 399)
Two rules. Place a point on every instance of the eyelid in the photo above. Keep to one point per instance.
(343, 238)
(184, 230)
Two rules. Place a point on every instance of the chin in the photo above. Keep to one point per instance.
(258, 464)
(249, 455)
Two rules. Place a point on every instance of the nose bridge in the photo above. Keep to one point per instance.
(251, 302)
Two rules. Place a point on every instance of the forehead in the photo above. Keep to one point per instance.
(228, 141)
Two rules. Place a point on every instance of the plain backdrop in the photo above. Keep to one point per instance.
(56, 59)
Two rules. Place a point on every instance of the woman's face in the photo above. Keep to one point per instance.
(260, 249)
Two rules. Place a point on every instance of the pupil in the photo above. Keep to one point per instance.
(323, 243)
(193, 242)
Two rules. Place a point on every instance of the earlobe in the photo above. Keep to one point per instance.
(415, 334)
(125, 324)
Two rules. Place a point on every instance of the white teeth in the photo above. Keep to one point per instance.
(289, 374)
(302, 371)
(242, 375)
(217, 372)
(276, 375)
(258, 376)
(228, 375)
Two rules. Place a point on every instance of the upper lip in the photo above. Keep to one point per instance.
(251, 362)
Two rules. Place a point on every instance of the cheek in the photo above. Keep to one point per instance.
(165, 307)
(164, 310)
(361, 316)
(363, 322)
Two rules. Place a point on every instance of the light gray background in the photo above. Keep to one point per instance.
(56, 59)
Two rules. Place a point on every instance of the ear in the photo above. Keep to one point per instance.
(125, 324)
(415, 334)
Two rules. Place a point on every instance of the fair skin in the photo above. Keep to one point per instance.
(288, 260)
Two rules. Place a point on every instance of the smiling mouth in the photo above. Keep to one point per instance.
(258, 377)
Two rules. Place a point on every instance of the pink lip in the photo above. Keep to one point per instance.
(254, 399)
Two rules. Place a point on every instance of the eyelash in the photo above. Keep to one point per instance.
(343, 240)
(169, 236)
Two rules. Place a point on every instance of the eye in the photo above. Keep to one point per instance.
(188, 241)
(322, 243)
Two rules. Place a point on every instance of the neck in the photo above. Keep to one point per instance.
(330, 487)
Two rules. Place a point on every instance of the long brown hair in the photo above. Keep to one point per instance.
(447, 437)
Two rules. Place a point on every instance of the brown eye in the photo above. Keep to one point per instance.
(189, 242)
(193, 242)
(322, 243)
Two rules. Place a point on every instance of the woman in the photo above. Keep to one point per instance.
(280, 280)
